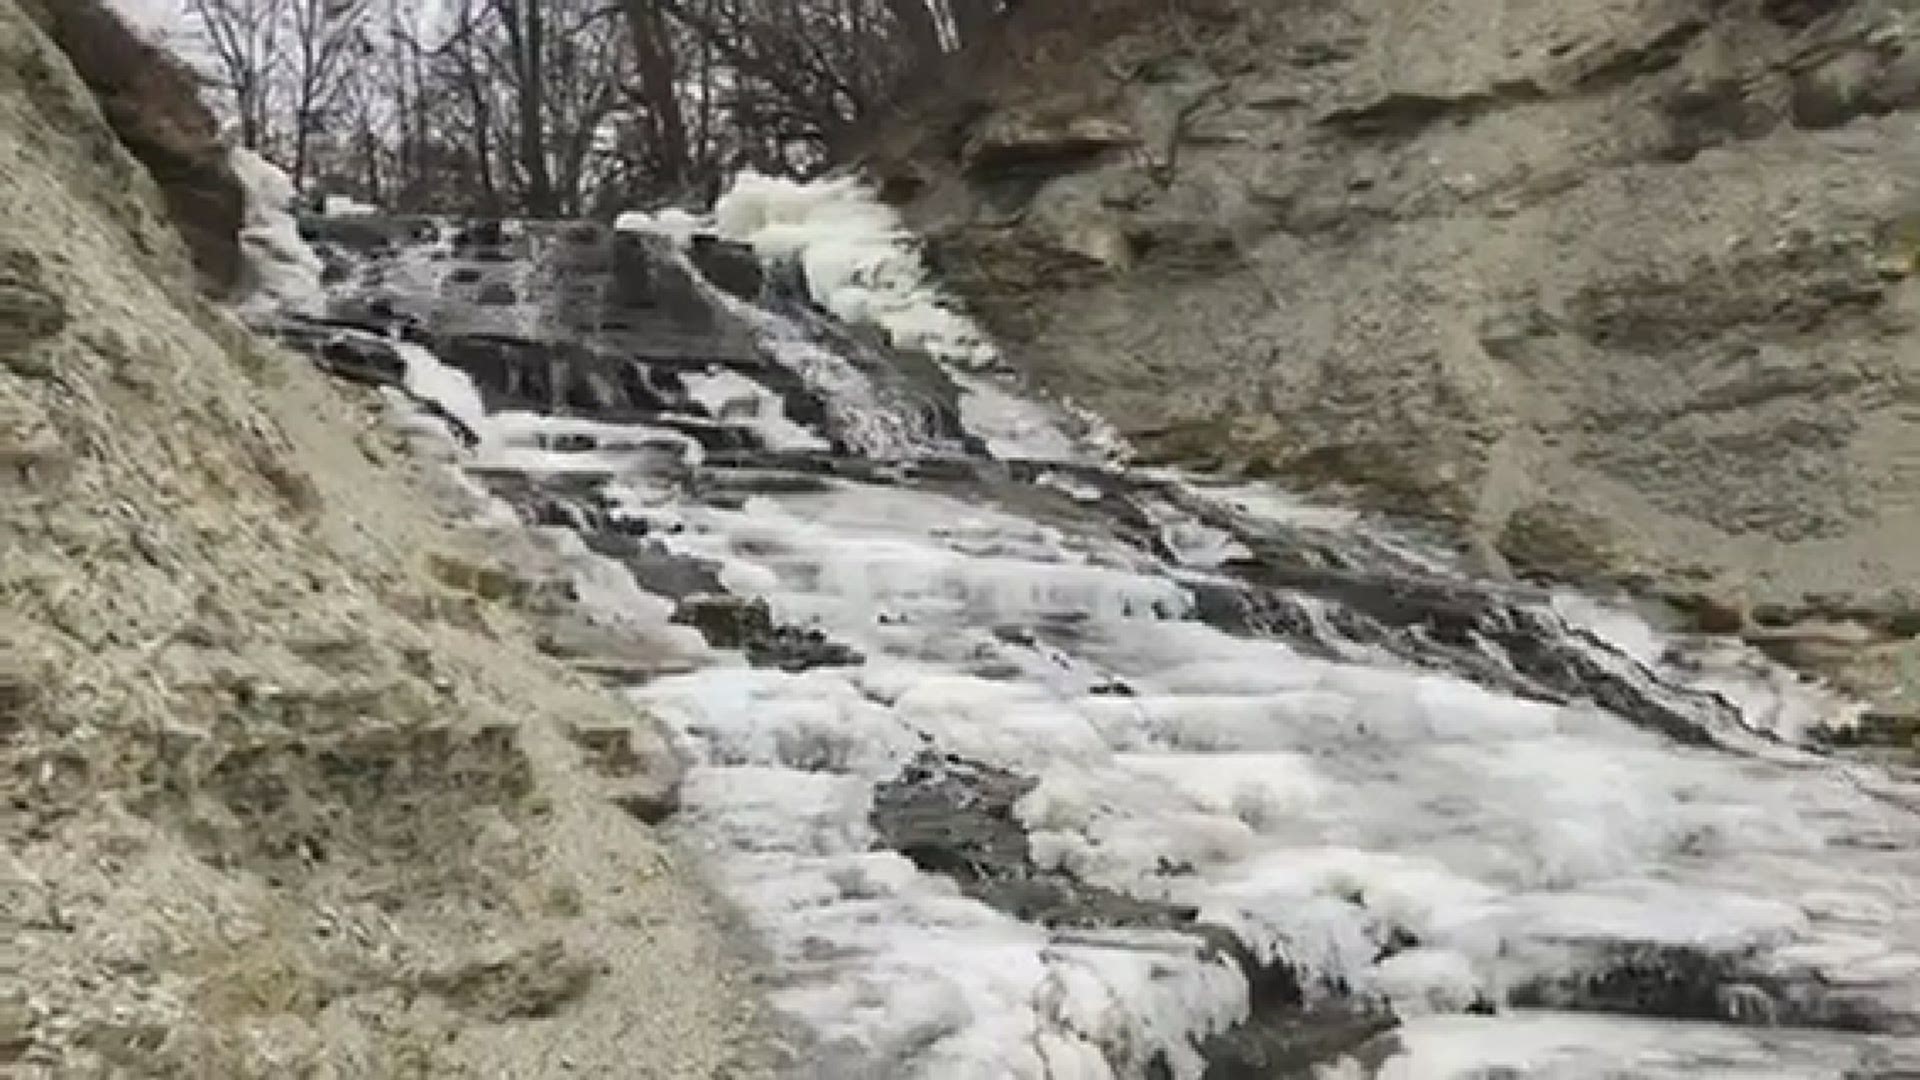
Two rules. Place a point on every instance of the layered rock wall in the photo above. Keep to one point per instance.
(1623, 290)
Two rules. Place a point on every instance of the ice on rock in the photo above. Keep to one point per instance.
(1015, 428)
(1393, 832)
(860, 261)
(449, 387)
(283, 273)
(547, 445)
(729, 396)
(1422, 982)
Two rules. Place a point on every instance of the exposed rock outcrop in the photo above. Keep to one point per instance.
(287, 786)
(1626, 289)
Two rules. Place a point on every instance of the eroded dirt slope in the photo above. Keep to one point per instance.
(286, 788)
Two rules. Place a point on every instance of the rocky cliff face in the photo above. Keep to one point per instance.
(150, 101)
(286, 787)
(1626, 289)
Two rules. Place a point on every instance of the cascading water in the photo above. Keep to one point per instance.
(1025, 763)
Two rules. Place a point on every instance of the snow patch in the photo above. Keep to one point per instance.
(673, 224)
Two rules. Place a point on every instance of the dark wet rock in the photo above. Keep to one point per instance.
(646, 277)
(363, 359)
(462, 434)
(657, 569)
(1799, 13)
(361, 234)
(1511, 644)
(344, 351)
(730, 622)
(496, 294)
(374, 314)
(651, 805)
(786, 281)
(333, 269)
(1683, 982)
(509, 372)
(1286, 1037)
(732, 267)
(1641, 980)
(956, 818)
(490, 234)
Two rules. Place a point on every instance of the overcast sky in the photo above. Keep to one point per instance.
(167, 15)
(150, 14)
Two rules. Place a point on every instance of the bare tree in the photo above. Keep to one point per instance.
(469, 58)
(657, 66)
(324, 35)
(560, 107)
(245, 38)
(526, 35)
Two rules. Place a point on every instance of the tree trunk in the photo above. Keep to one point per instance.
(483, 152)
(974, 20)
(659, 83)
(301, 130)
(526, 37)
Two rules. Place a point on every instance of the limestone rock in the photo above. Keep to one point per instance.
(29, 312)
(16, 1025)
(1648, 262)
(526, 983)
(1019, 138)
